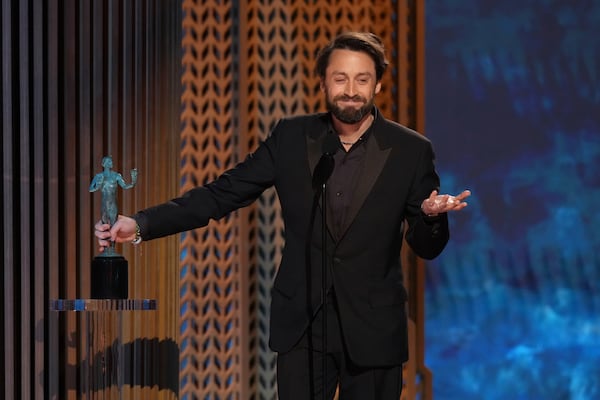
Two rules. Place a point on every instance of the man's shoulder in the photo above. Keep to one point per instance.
(399, 129)
(301, 125)
(396, 131)
(305, 119)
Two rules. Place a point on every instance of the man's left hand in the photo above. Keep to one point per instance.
(440, 203)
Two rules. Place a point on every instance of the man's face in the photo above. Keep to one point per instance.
(350, 85)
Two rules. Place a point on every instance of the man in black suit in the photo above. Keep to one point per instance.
(383, 175)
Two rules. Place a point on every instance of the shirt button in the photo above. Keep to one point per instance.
(338, 194)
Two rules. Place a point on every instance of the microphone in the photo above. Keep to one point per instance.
(325, 166)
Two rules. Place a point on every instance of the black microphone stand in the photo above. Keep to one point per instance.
(324, 283)
(321, 174)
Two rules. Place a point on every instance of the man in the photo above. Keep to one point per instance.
(383, 175)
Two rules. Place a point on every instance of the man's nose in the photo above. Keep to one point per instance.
(350, 88)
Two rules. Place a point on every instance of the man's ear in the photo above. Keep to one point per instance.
(378, 87)
(322, 84)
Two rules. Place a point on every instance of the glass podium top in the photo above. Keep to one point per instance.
(102, 305)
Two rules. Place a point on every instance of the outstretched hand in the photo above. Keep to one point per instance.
(123, 230)
(440, 203)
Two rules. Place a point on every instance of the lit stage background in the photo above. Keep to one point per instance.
(513, 108)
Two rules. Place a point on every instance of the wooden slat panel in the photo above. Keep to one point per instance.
(40, 225)
(23, 307)
(210, 334)
(8, 201)
(52, 265)
(73, 90)
(69, 286)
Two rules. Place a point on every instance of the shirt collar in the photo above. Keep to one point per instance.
(364, 137)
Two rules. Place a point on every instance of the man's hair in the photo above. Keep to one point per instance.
(365, 42)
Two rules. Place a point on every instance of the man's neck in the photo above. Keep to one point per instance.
(352, 131)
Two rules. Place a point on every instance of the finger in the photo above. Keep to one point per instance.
(114, 231)
(101, 226)
(104, 244)
(433, 195)
(102, 234)
(458, 206)
(442, 201)
(458, 199)
(463, 195)
(119, 232)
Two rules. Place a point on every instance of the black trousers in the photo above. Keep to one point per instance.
(300, 370)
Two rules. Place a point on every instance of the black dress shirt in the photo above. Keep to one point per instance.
(342, 183)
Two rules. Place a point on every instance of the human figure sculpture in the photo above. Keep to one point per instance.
(107, 181)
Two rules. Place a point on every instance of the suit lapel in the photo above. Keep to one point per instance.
(314, 149)
(375, 159)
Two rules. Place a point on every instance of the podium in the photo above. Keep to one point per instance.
(106, 364)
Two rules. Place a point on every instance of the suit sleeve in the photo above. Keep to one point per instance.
(427, 236)
(234, 189)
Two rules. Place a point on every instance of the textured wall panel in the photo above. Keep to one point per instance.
(211, 336)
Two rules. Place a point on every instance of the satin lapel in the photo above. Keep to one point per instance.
(374, 161)
(314, 149)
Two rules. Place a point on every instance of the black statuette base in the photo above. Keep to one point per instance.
(109, 278)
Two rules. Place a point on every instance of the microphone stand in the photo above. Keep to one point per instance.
(321, 174)
(324, 283)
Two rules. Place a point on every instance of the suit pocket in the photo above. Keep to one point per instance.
(382, 295)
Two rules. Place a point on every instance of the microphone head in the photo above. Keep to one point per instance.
(325, 166)
(323, 171)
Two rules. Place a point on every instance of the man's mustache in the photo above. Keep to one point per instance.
(350, 98)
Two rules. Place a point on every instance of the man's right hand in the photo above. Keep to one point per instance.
(122, 231)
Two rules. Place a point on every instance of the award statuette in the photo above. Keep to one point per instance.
(109, 274)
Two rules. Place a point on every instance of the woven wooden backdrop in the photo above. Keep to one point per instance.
(247, 64)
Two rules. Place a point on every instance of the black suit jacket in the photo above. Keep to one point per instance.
(364, 264)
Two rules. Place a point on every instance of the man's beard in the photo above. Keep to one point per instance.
(349, 115)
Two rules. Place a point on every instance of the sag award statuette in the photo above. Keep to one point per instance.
(109, 278)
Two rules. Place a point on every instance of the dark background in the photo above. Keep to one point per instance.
(513, 109)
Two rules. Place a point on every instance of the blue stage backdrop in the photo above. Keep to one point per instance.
(513, 109)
